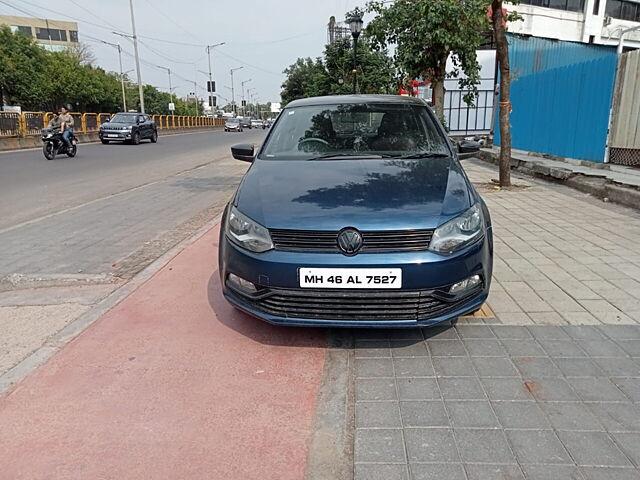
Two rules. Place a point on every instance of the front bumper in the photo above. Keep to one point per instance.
(426, 278)
(116, 135)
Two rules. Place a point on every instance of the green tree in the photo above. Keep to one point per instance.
(305, 78)
(425, 32)
(21, 73)
(333, 73)
(374, 68)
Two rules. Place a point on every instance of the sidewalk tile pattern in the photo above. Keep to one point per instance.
(498, 402)
(560, 258)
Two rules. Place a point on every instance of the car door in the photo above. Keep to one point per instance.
(142, 126)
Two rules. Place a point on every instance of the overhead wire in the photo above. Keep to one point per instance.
(173, 22)
(94, 15)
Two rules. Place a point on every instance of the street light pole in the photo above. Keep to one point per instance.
(124, 96)
(233, 92)
(210, 89)
(244, 108)
(355, 24)
(135, 50)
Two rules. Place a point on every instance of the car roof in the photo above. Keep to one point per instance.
(358, 99)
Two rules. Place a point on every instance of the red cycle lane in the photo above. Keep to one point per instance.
(172, 383)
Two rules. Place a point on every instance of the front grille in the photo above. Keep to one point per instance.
(373, 241)
(370, 305)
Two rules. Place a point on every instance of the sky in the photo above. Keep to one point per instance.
(262, 36)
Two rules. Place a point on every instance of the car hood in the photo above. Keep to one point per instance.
(368, 194)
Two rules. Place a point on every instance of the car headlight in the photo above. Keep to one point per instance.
(247, 233)
(458, 232)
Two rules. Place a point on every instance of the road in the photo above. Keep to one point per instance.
(113, 208)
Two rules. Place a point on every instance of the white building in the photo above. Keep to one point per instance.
(52, 35)
(587, 21)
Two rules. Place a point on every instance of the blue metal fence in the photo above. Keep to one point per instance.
(561, 95)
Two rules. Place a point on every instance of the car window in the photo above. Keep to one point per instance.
(120, 118)
(141, 119)
(389, 129)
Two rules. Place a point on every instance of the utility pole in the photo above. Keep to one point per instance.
(195, 95)
(210, 88)
(124, 96)
(169, 72)
(244, 108)
(250, 93)
(135, 50)
(233, 92)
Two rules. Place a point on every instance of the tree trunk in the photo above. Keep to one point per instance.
(438, 86)
(438, 98)
(502, 51)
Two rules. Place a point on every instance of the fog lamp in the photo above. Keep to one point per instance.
(240, 284)
(466, 284)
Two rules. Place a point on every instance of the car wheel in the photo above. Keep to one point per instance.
(154, 137)
(135, 139)
(105, 142)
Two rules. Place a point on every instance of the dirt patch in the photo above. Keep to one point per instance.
(494, 187)
(534, 388)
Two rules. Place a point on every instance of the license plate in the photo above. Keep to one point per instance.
(112, 135)
(350, 278)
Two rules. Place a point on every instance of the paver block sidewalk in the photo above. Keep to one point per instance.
(561, 258)
(172, 383)
(498, 402)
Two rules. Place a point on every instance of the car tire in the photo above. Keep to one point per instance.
(135, 139)
(154, 136)
(105, 142)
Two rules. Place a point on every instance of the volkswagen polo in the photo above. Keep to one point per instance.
(355, 212)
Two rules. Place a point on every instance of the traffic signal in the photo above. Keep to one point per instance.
(211, 86)
(244, 103)
(213, 101)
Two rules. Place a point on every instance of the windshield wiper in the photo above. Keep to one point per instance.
(424, 155)
(340, 156)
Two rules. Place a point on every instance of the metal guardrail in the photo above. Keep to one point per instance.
(14, 124)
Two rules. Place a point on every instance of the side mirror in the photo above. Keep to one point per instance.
(243, 151)
(467, 148)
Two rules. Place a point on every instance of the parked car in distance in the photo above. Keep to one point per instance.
(356, 212)
(257, 123)
(245, 122)
(128, 127)
(232, 125)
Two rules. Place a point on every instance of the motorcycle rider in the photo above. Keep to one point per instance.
(66, 125)
(54, 122)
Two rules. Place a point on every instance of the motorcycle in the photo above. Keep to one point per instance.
(54, 144)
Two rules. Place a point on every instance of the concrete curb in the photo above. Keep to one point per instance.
(34, 141)
(595, 184)
(38, 357)
(331, 450)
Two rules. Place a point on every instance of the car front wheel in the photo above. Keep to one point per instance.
(135, 139)
(105, 142)
(154, 137)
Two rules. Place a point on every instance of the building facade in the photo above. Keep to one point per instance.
(53, 35)
(587, 21)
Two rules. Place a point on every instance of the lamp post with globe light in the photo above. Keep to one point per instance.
(355, 24)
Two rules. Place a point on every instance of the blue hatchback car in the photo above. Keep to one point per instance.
(355, 212)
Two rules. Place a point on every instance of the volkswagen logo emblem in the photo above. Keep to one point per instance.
(350, 241)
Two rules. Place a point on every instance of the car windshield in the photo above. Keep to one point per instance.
(119, 118)
(384, 129)
(233, 120)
